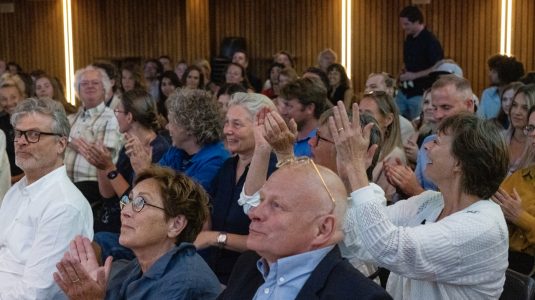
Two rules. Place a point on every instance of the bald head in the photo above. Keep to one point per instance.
(297, 213)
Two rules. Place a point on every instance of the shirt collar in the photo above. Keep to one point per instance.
(94, 110)
(310, 135)
(528, 172)
(293, 266)
(157, 269)
(42, 182)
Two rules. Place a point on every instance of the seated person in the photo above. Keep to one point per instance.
(43, 211)
(162, 216)
(437, 245)
(294, 231)
(516, 197)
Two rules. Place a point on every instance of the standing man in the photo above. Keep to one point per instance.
(42, 212)
(306, 100)
(94, 123)
(421, 51)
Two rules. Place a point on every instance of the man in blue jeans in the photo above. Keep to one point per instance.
(421, 51)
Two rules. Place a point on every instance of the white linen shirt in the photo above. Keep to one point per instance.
(462, 256)
(37, 222)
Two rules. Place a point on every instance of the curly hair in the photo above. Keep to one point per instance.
(180, 196)
(196, 111)
(508, 68)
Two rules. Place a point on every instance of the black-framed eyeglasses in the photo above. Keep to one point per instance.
(319, 137)
(137, 203)
(32, 136)
(529, 129)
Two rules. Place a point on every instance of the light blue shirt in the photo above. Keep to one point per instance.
(285, 278)
(490, 104)
(301, 147)
(421, 164)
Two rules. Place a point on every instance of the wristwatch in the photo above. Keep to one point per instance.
(112, 174)
(222, 239)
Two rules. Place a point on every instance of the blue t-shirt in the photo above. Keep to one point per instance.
(489, 104)
(421, 164)
(179, 274)
(301, 147)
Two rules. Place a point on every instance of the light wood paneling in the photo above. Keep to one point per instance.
(468, 31)
(523, 24)
(32, 36)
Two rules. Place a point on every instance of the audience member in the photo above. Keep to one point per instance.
(3, 67)
(425, 125)
(273, 77)
(339, 85)
(421, 51)
(224, 94)
(502, 71)
(169, 82)
(12, 91)
(528, 78)
(317, 73)
(48, 86)
(42, 212)
(516, 198)
(506, 99)
(235, 73)
(294, 232)
(113, 95)
(242, 58)
(306, 100)
(180, 67)
(94, 123)
(152, 70)
(286, 76)
(226, 234)
(450, 244)
(381, 106)
(160, 219)
(167, 62)
(285, 58)
(5, 172)
(326, 58)
(14, 68)
(193, 78)
(132, 78)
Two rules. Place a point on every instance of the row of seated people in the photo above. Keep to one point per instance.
(193, 125)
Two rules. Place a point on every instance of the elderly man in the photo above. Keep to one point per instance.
(94, 123)
(450, 95)
(295, 229)
(160, 219)
(43, 211)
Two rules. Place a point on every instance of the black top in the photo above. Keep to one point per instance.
(5, 125)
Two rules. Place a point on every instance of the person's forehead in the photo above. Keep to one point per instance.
(93, 74)
(376, 79)
(34, 120)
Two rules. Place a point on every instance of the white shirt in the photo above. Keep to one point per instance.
(462, 256)
(37, 222)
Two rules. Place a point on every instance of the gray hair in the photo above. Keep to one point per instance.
(106, 83)
(252, 102)
(47, 107)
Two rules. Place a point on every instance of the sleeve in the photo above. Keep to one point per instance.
(206, 173)
(455, 250)
(526, 220)
(54, 232)
(112, 138)
(435, 52)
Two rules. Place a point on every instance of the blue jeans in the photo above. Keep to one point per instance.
(109, 244)
(411, 107)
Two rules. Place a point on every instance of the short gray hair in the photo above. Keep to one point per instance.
(252, 102)
(47, 107)
(106, 83)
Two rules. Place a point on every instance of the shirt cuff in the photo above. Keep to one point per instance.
(247, 202)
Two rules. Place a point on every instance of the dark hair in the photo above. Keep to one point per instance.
(528, 78)
(481, 151)
(245, 81)
(344, 81)
(242, 51)
(142, 107)
(111, 70)
(135, 70)
(159, 66)
(201, 75)
(412, 13)
(230, 88)
(508, 68)
(322, 75)
(14, 64)
(308, 91)
(180, 196)
(287, 54)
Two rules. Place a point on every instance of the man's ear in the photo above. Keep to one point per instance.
(310, 108)
(326, 230)
(176, 225)
(62, 144)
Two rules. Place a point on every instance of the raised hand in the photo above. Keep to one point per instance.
(140, 156)
(511, 204)
(99, 156)
(279, 135)
(402, 177)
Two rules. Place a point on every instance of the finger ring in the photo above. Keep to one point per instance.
(77, 280)
(340, 129)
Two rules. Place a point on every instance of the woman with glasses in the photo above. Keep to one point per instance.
(450, 244)
(225, 236)
(516, 197)
(523, 100)
(382, 107)
(160, 219)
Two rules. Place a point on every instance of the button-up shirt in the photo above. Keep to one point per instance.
(37, 222)
(285, 278)
(97, 124)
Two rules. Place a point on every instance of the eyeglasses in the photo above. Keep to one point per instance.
(306, 160)
(116, 111)
(32, 136)
(319, 137)
(88, 83)
(529, 129)
(375, 93)
(137, 203)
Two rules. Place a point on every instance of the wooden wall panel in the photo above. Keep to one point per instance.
(523, 24)
(302, 27)
(468, 31)
(127, 28)
(32, 36)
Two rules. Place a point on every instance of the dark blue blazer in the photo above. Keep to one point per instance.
(333, 278)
